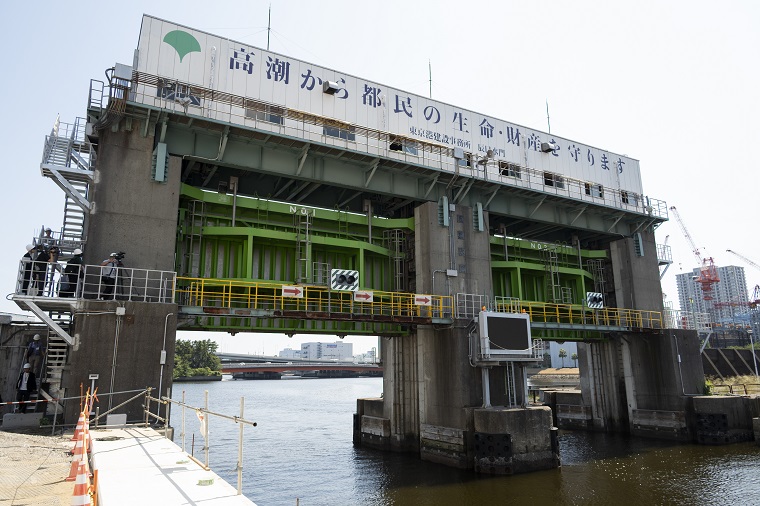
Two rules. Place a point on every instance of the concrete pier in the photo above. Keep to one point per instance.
(433, 399)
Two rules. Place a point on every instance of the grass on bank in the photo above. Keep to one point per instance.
(741, 385)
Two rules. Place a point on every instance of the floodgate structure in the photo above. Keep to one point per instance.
(253, 192)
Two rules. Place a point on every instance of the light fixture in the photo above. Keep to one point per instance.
(547, 147)
(330, 87)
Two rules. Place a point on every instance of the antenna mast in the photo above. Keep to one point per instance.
(269, 25)
(430, 78)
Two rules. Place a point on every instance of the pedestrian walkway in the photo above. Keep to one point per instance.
(137, 465)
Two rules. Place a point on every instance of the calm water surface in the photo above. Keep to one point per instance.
(302, 449)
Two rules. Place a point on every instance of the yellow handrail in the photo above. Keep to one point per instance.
(237, 294)
(265, 295)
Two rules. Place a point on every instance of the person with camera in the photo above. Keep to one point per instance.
(108, 271)
(73, 274)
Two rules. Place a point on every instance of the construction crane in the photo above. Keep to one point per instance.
(708, 274)
(755, 300)
(753, 264)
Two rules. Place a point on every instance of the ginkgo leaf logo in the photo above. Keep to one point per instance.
(182, 42)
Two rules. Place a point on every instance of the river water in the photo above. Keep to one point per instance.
(302, 451)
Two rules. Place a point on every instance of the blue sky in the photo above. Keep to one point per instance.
(673, 84)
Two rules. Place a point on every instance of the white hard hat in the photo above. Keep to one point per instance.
(113, 254)
(36, 337)
(77, 251)
(27, 366)
(29, 247)
(48, 229)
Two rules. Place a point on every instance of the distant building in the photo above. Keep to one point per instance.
(729, 295)
(326, 351)
(290, 353)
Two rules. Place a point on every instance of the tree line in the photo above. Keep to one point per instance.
(196, 358)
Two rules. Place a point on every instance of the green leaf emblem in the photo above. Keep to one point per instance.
(182, 42)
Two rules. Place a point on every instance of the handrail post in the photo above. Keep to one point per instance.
(183, 422)
(206, 426)
(240, 450)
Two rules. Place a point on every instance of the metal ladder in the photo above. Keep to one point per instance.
(303, 247)
(394, 240)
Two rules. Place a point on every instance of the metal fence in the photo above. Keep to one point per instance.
(58, 279)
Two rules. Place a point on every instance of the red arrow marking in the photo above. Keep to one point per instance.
(294, 291)
(423, 300)
(363, 295)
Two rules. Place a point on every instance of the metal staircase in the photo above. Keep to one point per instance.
(49, 385)
(68, 159)
(55, 360)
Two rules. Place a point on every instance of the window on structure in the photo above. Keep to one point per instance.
(466, 161)
(178, 92)
(270, 114)
(404, 145)
(346, 132)
(509, 170)
(595, 190)
(555, 180)
(629, 198)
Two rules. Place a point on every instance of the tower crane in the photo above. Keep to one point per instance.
(708, 274)
(753, 264)
(755, 300)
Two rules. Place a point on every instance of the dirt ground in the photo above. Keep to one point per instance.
(34, 468)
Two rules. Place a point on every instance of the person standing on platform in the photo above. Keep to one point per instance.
(26, 384)
(28, 259)
(72, 274)
(46, 238)
(108, 270)
(39, 271)
(35, 351)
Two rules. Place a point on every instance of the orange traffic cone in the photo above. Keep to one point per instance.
(73, 471)
(81, 496)
(80, 427)
(79, 446)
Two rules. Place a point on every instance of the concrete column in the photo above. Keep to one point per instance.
(132, 212)
(432, 392)
(123, 350)
(636, 278)
(641, 383)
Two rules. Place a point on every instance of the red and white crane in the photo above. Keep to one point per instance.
(708, 274)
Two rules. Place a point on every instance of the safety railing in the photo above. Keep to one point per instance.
(688, 320)
(58, 279)
(203, 414)
(542, 312)
(185, 99)
(68, 146)
(221, 293)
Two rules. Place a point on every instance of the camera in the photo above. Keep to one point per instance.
(119, 256)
